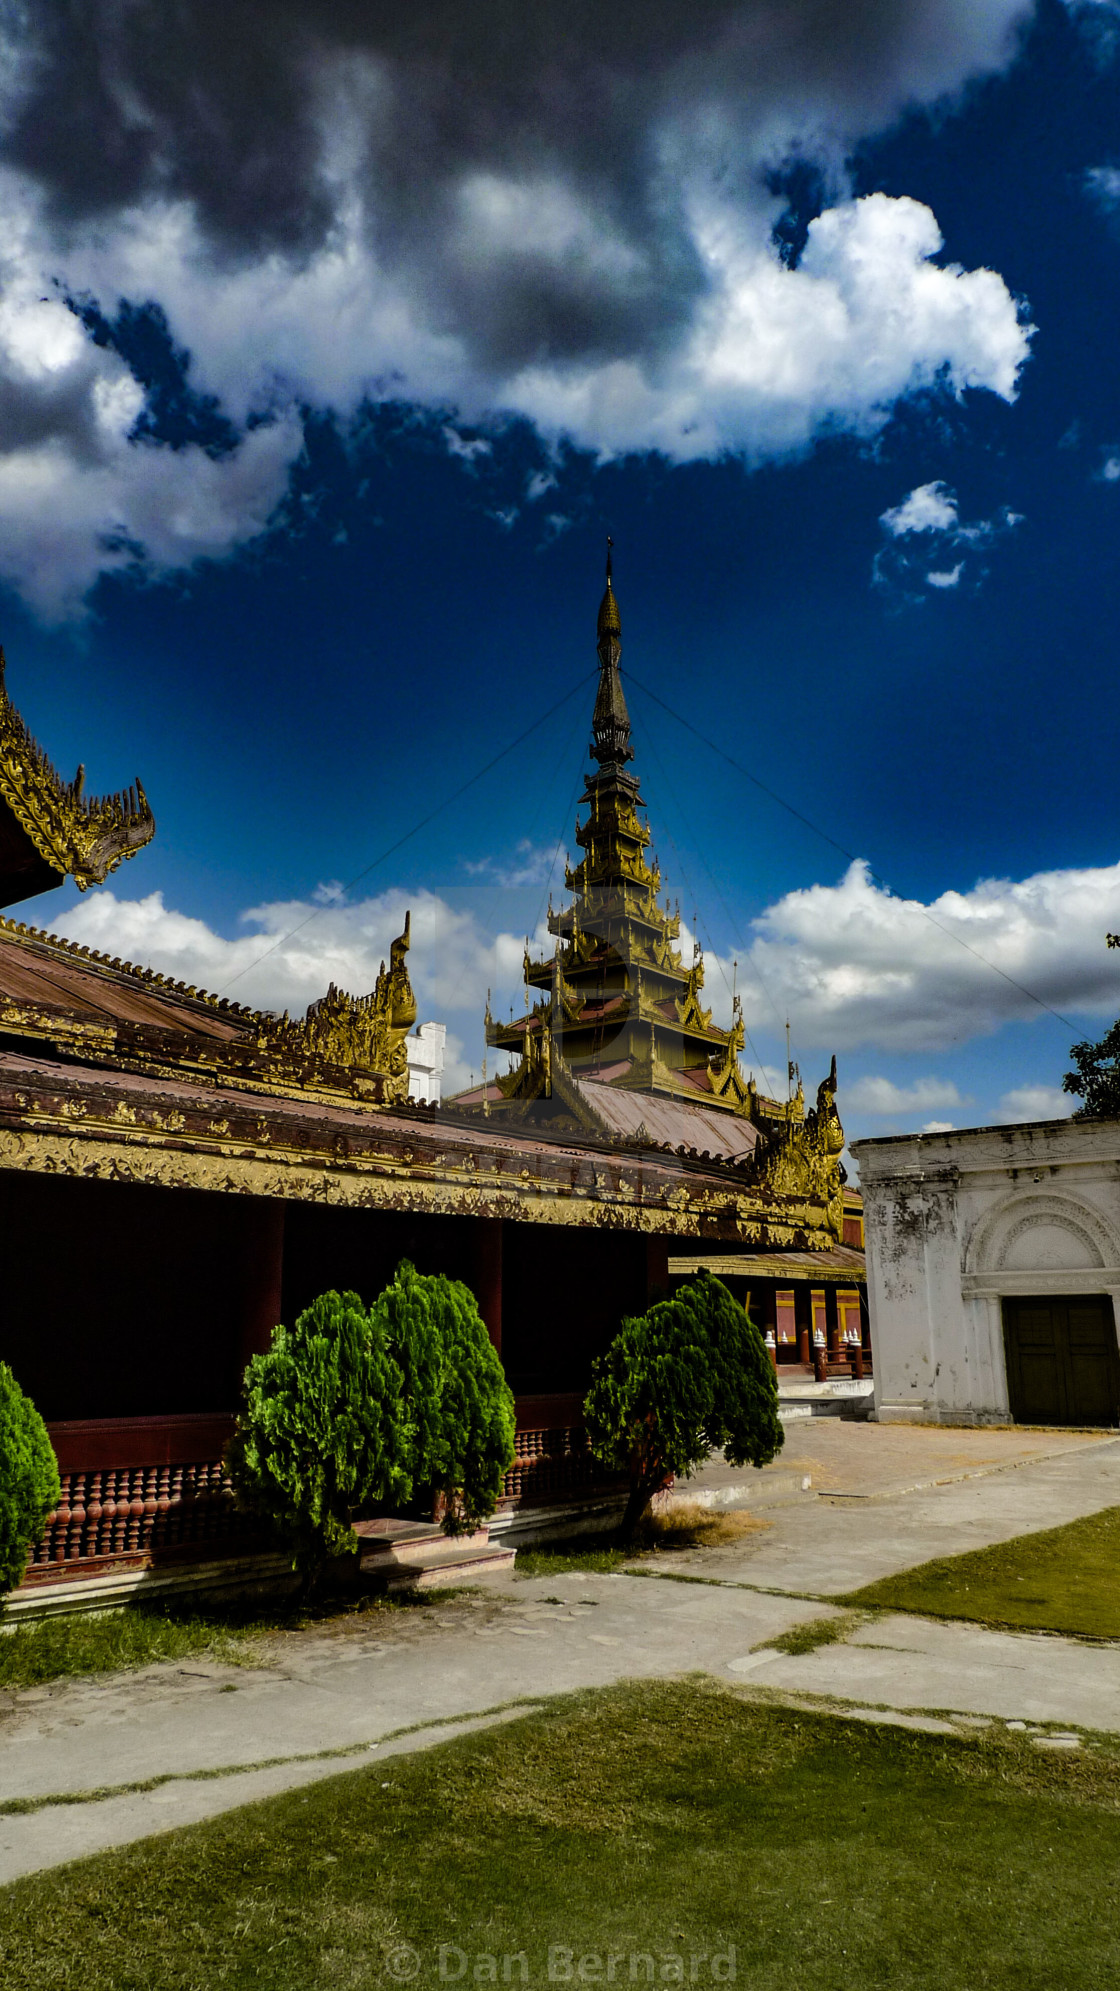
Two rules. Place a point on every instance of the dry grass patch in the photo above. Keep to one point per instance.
(679, 1525)
(690, 1525)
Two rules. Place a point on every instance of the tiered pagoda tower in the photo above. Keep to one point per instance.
(618, 1045)
(618, 1004)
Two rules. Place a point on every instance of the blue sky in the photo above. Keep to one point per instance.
(333, 340)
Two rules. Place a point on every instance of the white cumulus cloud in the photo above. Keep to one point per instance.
(854, 965)
(1036, 1102)
(776, 353)
(882, 1096)
(927, 524)
(928, 508)
(80, 493)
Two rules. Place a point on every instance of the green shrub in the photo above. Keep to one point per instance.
(352, 1410)
(29, 1486)
(325, 1429)
(678, 1382)
(462, 1412)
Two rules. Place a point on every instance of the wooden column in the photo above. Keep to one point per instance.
(262, 1272)
(487, 1280)
(785, 1317)
(824, 1317)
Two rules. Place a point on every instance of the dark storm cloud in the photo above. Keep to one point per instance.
(241, 105)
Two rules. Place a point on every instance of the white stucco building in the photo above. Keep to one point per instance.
(425, 1052)
(993, 1273)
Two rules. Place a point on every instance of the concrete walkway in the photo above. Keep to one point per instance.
(211, 1735)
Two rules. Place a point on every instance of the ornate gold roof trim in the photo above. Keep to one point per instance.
(82, 837)
(362, 1037)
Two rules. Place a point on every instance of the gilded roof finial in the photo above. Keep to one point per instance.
(610, 622)
(610, 724)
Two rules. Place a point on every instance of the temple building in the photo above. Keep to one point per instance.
(178, 1173)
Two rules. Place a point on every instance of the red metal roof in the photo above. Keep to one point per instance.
(39, 972)
(669, 1122)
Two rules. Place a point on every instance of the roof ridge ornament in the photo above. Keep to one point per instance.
(68, 833)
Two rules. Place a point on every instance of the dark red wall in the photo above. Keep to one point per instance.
(359, 1251)
(564, 1295)
(123, 1301)
(119, 1300)
(564, 1291)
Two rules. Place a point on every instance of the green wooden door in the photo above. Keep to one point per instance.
(1062, 1361)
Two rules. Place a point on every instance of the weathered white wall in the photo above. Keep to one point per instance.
(955, 1222)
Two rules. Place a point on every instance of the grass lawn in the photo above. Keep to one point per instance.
(103, 1642)
(140, 1635)
(661, 1820)
(1060, 1580)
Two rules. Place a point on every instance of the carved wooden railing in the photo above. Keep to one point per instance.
(551, 1465)
(173, 1512)
(137, 1511)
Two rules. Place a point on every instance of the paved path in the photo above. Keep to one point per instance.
(873, 1461)
(351, 1687)
(883, 1509)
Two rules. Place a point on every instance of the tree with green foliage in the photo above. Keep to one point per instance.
(29, 1484)
(688, 1377)
(356, 1409)
(461, 1406)
(1096, 1079)
(325, 1429)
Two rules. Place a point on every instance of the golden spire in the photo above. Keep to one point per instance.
(610, 622)
(610, 722)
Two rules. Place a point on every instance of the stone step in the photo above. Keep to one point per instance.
(394, 1528)
(417, 1555)
(412, 1544)
(458, 1565)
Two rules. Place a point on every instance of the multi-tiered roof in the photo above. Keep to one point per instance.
(619, 1005)
(619, 1008)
